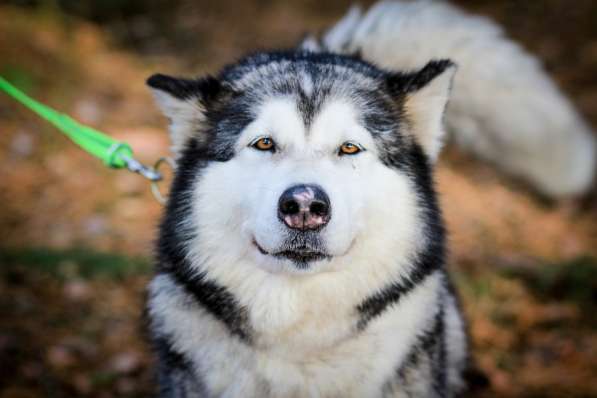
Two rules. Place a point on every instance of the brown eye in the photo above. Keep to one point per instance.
(264, 144)
(348, 148)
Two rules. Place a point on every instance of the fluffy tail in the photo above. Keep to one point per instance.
(504, 107)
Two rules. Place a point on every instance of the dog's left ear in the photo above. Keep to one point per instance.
(424, 95)
(185, 103)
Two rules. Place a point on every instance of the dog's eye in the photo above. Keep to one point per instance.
(264, 144)
(349, 148)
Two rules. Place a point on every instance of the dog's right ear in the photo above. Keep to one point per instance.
(184, 102)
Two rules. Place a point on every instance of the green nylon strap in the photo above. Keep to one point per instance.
(111, 151)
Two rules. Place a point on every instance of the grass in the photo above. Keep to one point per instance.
(573, 280)
(72, 262)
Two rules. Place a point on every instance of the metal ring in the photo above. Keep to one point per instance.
(155, 189)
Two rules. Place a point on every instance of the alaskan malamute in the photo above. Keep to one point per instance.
(302, 249)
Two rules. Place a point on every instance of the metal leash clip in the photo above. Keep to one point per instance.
(151, 173)
(137, 167)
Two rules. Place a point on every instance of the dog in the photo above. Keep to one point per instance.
(302, 249)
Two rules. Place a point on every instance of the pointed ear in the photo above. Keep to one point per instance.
(184, 102)
(424, 95)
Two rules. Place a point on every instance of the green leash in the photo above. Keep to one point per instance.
(113, 153)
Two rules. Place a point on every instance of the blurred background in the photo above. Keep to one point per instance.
(76, 238)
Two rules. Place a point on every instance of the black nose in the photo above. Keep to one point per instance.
(304, 207)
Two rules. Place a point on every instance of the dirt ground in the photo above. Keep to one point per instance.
(76, 238)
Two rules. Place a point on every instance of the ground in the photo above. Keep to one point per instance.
(76, 238)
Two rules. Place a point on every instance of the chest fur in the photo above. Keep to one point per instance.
(321, 354)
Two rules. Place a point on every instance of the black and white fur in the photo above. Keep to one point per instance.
(376, 316)
(244, 306)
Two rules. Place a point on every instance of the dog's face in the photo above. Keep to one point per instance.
(301, 163)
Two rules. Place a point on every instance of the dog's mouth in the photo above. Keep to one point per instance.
(301, 255)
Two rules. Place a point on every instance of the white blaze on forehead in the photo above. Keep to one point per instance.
(337, 122)
(279, 118)
(307, 83)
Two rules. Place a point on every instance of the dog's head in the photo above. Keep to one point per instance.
(303, 162)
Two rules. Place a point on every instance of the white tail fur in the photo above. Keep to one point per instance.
(504, 107)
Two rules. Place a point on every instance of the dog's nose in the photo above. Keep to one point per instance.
(304, 207)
